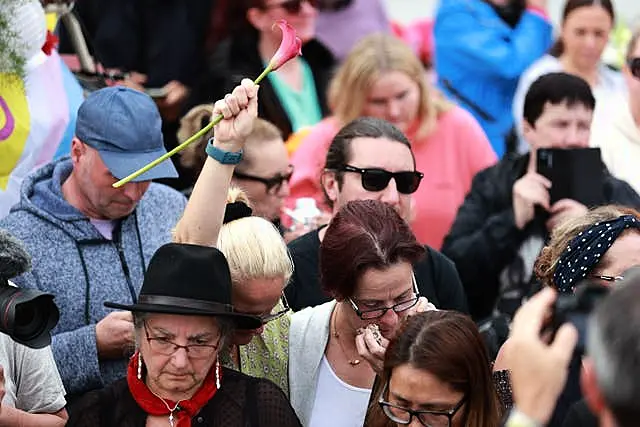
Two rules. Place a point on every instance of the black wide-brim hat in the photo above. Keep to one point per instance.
(191, 280)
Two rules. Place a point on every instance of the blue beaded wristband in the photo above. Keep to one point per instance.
(221, 156)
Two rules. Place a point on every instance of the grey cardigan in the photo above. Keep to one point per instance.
(308, 338)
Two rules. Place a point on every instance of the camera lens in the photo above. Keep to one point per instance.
(27, 316)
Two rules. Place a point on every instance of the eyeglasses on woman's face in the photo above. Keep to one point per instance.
(371, 313)
(201, 349)
(273, 184)
(427, 418)
(266, 318)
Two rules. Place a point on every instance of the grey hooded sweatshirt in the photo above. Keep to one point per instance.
(73, 261)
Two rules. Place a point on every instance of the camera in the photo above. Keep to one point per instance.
(26, 315)
(576, 307)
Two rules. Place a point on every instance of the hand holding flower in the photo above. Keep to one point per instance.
(289, 48)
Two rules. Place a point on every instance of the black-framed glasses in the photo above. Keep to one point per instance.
(266, 318)
(404, 416)
(634, 67)
(292, 6)
(166, 347)
(273, 184)
(375, 179)
(376, 313)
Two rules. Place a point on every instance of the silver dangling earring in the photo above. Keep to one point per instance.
(139, 366)
(218, 374)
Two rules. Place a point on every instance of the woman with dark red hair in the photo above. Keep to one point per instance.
(337, 348)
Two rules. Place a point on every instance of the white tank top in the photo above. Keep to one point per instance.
(337, 404)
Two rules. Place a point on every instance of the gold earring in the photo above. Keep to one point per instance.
(139, 366)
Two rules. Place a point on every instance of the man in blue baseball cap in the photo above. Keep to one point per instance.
(90, 242)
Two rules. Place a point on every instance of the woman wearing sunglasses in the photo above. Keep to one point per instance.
(436, 374)
(263, 173)
(584, 34)
(335, 349)
(383, 78)
(619, 137)
(294, 96)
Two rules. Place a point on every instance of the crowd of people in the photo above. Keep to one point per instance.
(470, 261)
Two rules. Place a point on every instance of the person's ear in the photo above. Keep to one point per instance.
(78, 149)
(330, 185)
(528, 133)
(590, 389)
(257, 18)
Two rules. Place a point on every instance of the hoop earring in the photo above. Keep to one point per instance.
(218, 374)
(139, 366)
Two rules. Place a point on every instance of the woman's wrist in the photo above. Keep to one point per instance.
(518, 418)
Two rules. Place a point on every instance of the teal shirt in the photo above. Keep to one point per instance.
(302, 107)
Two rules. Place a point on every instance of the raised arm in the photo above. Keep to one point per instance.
(202, 218)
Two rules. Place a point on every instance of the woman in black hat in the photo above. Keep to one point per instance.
(182, 319)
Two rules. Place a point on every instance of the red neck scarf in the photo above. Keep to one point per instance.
(153, 405)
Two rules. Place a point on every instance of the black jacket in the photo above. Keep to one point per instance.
(237, 58)
(580, 415)
(484, 238)
(436, 277)
(163, 39)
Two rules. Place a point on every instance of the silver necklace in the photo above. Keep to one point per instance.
(171, 411)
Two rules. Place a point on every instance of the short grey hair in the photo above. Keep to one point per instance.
(613, 344)
(227, 328)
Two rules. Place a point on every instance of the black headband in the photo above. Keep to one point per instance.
(584, 252)
(236, 210)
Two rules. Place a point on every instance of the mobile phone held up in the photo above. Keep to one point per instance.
(575, 173)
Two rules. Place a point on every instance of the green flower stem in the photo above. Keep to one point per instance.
(182, 146)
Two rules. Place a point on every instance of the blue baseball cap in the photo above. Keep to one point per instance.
(124, 125)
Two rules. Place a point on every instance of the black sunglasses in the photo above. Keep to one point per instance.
(634, 67)
(293, 6)
(404, 416)
(374, 179)
(273, 184)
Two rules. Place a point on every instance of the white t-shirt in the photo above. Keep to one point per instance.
(31, 379)
(337, 404)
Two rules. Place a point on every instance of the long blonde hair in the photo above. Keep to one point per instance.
(371, 57)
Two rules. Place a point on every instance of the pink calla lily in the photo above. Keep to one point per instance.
(290, 47)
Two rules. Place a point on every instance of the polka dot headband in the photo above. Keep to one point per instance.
(583, 253)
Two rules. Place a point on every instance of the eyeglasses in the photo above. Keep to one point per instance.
(376, 313)
(167, 347)
(266, 318)
(273, 184)
(634, 67)
(608, 278)
(374, 179)
(404, 416)
(293, 6)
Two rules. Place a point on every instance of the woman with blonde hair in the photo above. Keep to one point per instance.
(383, 78)
(260, 268)
(258, 259)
